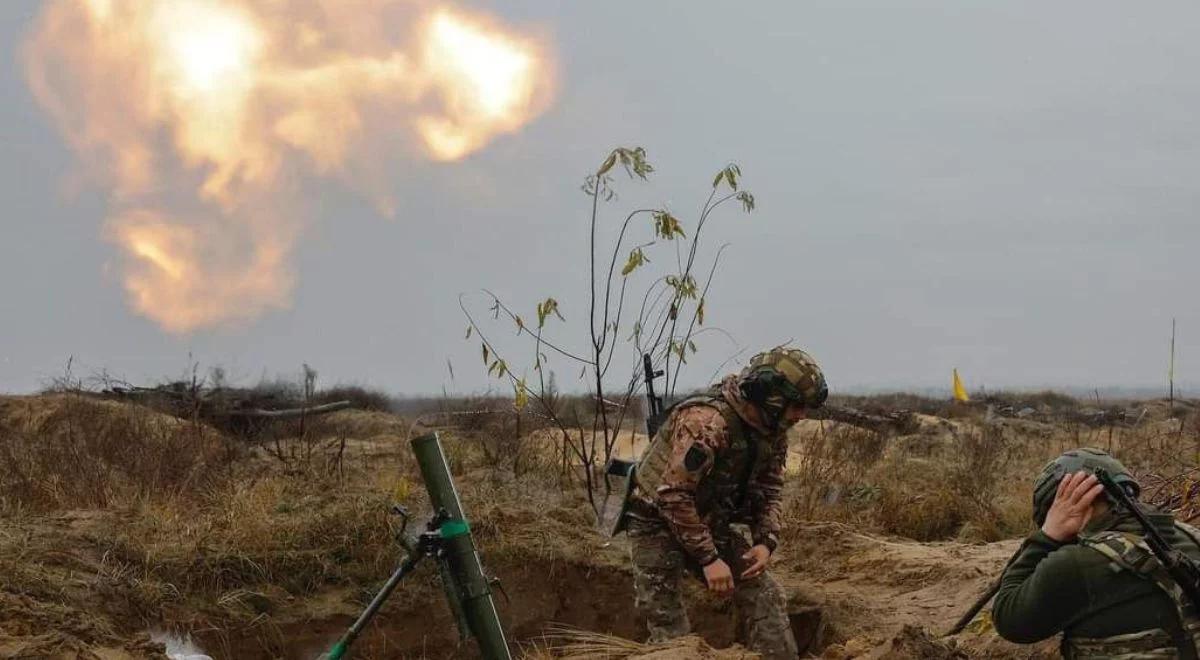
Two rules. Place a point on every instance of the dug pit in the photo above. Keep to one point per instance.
(539, 598)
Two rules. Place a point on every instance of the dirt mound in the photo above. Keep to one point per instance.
(74, 451)
(914, 642)
(366, 424)
(689, 648)
(932, 424)
(628, 445)
(911, 642)
(889, 597)
(584, 645)
(30, 628)
(36, 411)
(57, 595)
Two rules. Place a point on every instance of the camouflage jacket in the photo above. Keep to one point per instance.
(713, 464)
(1073, 589)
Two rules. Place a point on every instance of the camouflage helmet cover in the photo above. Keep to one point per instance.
(787, 373)
(1085, 458)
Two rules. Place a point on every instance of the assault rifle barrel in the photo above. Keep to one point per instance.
(1181, 569)
(654, 401)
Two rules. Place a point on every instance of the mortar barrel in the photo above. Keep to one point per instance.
(470, 586)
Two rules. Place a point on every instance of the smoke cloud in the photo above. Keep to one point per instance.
(200, 117)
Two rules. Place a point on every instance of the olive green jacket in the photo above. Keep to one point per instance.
(1053, 588)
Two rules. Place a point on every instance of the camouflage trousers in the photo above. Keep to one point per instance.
(659, 564)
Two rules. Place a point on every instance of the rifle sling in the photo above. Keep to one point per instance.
(751, 461)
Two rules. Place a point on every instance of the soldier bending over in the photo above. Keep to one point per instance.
(718, 460)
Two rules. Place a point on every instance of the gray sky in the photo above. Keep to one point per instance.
(1007, 188)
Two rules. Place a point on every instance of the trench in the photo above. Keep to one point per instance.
(598, 599)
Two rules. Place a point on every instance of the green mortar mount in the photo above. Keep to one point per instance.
(447, 538)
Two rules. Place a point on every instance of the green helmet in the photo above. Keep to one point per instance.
(1086, 459)
(783, 376)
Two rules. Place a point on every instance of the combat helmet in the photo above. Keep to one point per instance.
(1075, 460)
(781, 377)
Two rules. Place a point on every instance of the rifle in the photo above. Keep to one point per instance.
(447, 538)
(985, 598)
(654, 403)
(969, 615)
(1180, 567)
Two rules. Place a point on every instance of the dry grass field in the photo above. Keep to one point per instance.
(122, 527)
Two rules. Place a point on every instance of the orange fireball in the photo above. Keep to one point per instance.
(197, 113)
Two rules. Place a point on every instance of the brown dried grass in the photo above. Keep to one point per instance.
(71, 450)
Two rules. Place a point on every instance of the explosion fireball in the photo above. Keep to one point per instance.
(198, 116)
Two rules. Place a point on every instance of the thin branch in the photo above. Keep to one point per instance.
(704, 215)
(483, 338)
(521, 327)
(721, 367)
(642, 328)
(696, 312)
(613, 263)
(592, 264)
(620, 310)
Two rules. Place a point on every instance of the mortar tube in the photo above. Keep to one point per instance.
(474, 593)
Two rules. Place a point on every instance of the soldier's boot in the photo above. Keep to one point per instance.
(762, 608)
(658, 567)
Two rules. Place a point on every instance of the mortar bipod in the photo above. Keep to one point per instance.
(447, 538)
(427, 544)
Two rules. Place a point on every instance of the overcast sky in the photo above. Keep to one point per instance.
(1006, 188)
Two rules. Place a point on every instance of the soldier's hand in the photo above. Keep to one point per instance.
(719, 577)
(1072, 507)
(758, 556)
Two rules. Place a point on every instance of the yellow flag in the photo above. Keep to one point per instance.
(960, 392)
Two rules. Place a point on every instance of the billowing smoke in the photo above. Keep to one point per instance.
(202, 117)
